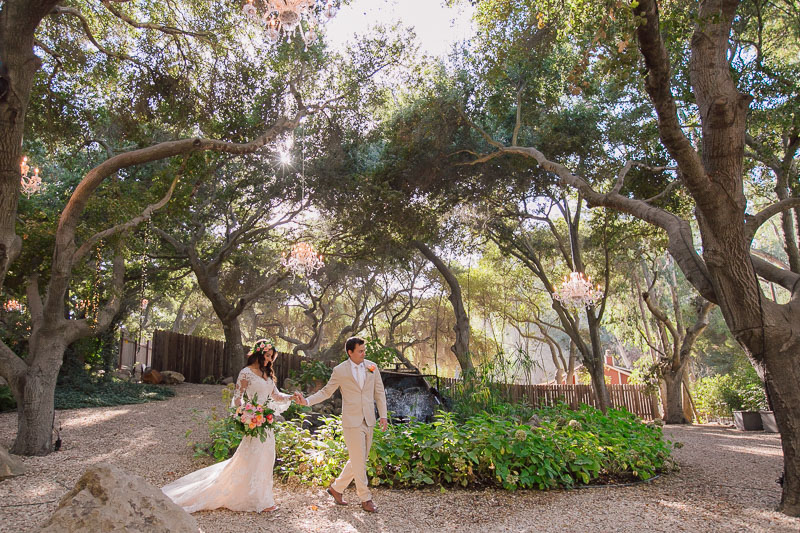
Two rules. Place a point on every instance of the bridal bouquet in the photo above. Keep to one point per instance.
(252, 418)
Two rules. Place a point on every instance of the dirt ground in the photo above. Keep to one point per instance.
(726, 483)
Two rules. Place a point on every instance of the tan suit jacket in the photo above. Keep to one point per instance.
(358, 404)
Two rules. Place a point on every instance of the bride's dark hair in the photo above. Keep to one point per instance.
(259, 353)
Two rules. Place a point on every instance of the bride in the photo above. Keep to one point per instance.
(243, 482)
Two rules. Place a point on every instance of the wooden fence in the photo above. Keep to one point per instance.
(198, 358)
(195, 357)
(635, 398)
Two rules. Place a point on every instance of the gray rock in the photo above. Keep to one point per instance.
(9, 465)
(290, 385)
(534, 421)
(227, 381)
(172, 378)
(123, 374)
(109, 500)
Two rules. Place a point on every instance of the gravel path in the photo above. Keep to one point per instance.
(726, 483)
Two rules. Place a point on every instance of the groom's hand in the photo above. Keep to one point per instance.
(384, 424)
(299, 399)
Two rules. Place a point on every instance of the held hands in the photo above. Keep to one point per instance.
(298, 398)
(384, 424)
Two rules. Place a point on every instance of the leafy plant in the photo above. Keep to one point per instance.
(7, 401)
(311, 371)
(383, 356)
(741, 390)
(224, 436)
(570, 448)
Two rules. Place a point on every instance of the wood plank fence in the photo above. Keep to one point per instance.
(635, 398)
(198, 358)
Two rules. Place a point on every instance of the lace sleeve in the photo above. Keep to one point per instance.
(278, 401)
(241, 386)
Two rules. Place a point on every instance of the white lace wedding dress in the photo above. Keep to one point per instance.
(243, 482)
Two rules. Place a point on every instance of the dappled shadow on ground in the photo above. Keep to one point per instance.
(726, 483)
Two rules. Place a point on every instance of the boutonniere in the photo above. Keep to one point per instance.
(371, 368)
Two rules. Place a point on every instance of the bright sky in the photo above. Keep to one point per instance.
(437, 26)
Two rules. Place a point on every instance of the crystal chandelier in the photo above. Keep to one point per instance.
(30, 184)
(303, 259)
(12, 305)
(577, 291)
(283, 17)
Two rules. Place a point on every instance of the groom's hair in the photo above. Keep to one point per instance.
(352, 342)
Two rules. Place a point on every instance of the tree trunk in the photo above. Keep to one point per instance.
(572, 356)
(595, 362)
(35, 413)
(673, 399)
(462, 329)
(235, 351)
(781, 377)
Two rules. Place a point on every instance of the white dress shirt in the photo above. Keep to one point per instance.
(359, 373)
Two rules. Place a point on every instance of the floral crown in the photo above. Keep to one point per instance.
(261, 345)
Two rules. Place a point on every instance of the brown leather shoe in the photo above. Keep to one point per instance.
(368, 506)
(337, 496)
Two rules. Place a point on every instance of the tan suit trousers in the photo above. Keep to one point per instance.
(358, 441)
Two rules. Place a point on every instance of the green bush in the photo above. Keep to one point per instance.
(311, 371)
(96, 392)
(569, 448)
(7, 401)
(741, 390)
(381, 355)
(224, 436)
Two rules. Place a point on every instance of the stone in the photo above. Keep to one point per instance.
(227, 381)
(290, 385)
(574, 424)
(152, 376)
(9, 465)
(111, 500)
(534, 421)
(172, 378)
(123, 374)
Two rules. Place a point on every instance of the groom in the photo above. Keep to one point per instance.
(362, 388)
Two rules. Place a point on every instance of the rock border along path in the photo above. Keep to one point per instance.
(726, 483)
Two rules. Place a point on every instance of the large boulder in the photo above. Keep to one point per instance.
(227, 381)
(109, 500)
(172, 378)
(9, 466)
(152, 376)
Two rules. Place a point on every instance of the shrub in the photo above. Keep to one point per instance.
(311, 371)
(741, 390)
(7, 401)
(569, 448)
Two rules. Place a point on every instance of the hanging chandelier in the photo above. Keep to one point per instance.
(30, 184)
(12, 305)
(284, 17)
(303, 260)
(577, 292)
